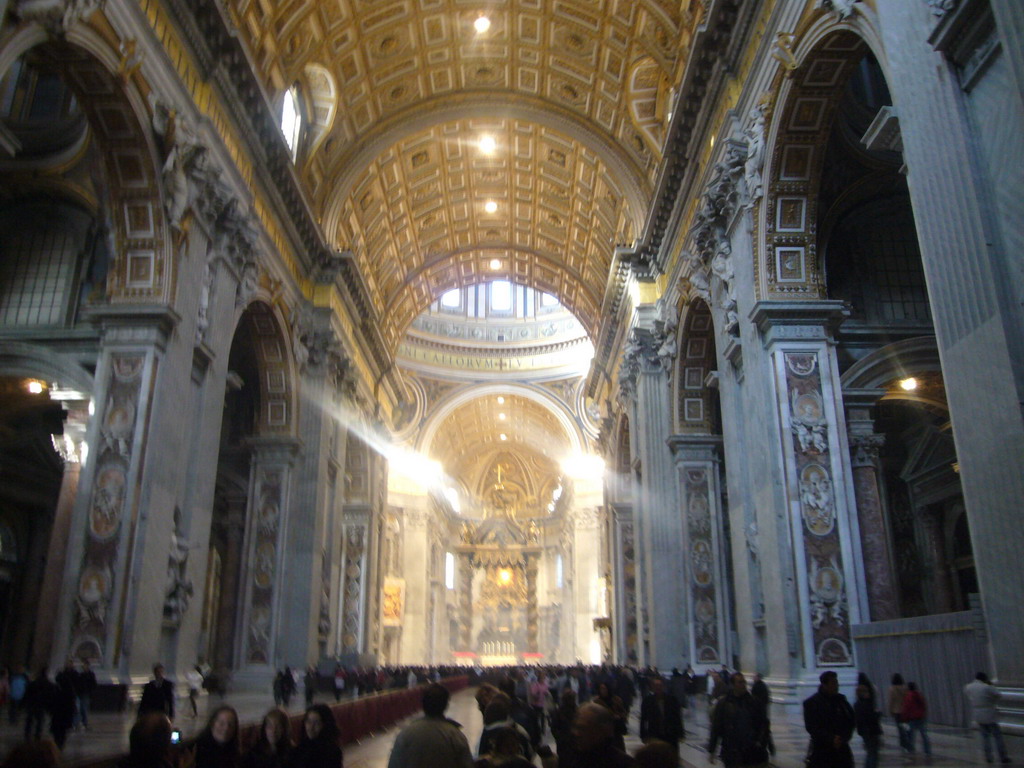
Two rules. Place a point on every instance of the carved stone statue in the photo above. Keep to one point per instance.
(754, 163)
(179, 587)
(843, 9)
(203, 318)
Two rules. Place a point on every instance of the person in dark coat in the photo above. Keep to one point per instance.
(868, 722)
(39, 696)
(274, 745)
(86, 687)
(318, 747)
(661, 715)
(594, 736)
(740, 725)
(63, 703)
(561, 726)
(829, 719)
(149, 743)
(157, 694)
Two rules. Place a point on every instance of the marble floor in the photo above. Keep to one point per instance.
(109, 736)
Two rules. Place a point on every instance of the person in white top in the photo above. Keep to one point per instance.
(983, 696)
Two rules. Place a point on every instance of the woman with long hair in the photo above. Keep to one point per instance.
(217, 745)
(561, 726)
(613, 704)
(318, 747)
(274, 745)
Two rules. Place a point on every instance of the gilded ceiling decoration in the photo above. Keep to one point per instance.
(469, 447)
(574, 92)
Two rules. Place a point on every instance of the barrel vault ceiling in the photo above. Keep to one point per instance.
(400, 93)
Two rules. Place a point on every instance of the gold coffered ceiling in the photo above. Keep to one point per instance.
(468, 440)
(574, 91)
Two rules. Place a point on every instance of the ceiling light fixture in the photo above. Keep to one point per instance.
(501, 416)
(35, 387)
(482, 24)
(503, 436)
(495, 263)
(501, 400)
(909, 384)
(488, 144)
(490, 206)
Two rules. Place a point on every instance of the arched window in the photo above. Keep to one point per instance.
(291, 120)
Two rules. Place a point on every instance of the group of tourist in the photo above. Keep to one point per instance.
(65, 700)
(585, 709)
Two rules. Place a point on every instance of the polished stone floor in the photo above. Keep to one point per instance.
(109, 736)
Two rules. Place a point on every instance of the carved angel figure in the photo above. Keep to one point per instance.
(755, 153)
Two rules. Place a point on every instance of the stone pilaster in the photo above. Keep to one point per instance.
(660, 524)
(416, 575)
(625, 624)
(966, 207)
(118, 498)
(586, 565)
(267, 523)
(697, 460)
(817, 477)
(352, 610)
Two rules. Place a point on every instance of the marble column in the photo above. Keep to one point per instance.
(932, 521)
(465, 581)
(532, 625)
(697, 460)
(967, 203)
(883, 597)
(875, 537)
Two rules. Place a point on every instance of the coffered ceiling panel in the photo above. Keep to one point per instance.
(573, 91)
(469, 438)
(419, 223)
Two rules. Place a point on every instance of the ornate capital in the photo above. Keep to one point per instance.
(864, 449)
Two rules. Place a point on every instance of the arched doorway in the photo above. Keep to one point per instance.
(249, 498)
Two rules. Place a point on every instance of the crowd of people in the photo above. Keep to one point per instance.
(563, 717)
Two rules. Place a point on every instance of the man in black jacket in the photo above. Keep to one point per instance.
(660, 715)
(739, 723)
(829, 719)
(158, 694)
(593, 732)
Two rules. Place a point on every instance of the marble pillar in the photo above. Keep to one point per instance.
(698, 464)
(228, 613)
(415, 572)
(967, 204)
(818, 484)
(932, 522)
(465, 582)
(352, 629)
(883, 596)
(586, 563)
(660, 522)
(266, 521)
(625, 625)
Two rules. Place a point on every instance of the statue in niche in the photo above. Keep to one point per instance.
(532, 532)
(179, 587)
